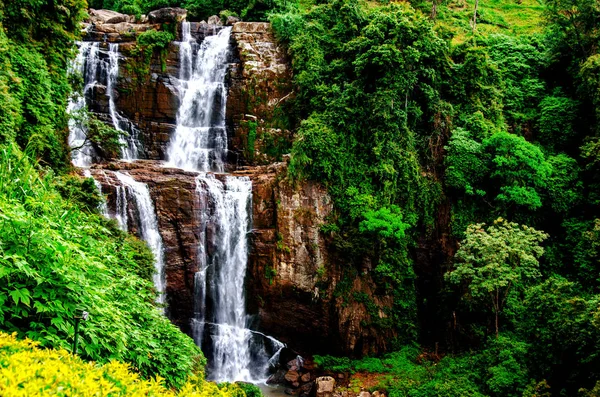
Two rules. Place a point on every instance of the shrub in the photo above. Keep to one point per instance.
(28, 370)
(55, 258)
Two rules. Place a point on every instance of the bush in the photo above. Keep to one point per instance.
(28, 370)
(55, 258)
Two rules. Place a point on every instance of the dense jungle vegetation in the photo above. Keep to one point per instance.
(462, 159)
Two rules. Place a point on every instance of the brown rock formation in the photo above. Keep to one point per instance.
(259, 94)
(177, 208)
(294, 281)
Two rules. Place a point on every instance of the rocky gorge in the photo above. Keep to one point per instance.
(296, 288)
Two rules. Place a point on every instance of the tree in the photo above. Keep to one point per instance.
(493, 261)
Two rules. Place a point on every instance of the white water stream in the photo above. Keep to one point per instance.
(148, 226)
(200, 139)
(128, 136)
(83, 153)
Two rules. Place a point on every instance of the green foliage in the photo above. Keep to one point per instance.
(505, 360)
(386, 223)
(155, 39)
(249, 389)
(519, 168)
(466, 165)
(55, 258)
(83, 192)
(36, 41)
(103, 137)
(493, 262)
(557, 120)
(331, 363)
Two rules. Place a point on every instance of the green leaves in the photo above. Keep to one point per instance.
(386, 223)
(491, 261)
(55, 257)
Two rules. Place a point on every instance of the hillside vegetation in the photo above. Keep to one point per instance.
(56, 253)
(463, 164)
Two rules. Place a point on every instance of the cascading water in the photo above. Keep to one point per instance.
(148, 227)
(220, 323)
(236, 353)
(128, 136)
(98, 67)
(83, 153)
(219, 326)
(200, 139)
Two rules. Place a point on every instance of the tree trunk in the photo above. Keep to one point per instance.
(475, 15)
(434, 10)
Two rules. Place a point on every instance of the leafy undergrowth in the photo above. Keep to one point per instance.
(27, 370)
(495, 371)
(55, 258)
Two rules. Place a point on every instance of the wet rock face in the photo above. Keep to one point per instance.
(295, 283)
(113, 27)
(147, 92)
(260, 93)
(177, 208)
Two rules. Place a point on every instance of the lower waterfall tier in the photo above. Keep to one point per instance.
(292, 273)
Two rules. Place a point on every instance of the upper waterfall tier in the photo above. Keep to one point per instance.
(200, 139)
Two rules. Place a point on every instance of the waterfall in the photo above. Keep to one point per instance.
(98, 67)
(219, 326)
(122, 206)
(83, 153)
(200, 139)
(128, 136)
(220, 322)
(148, 227)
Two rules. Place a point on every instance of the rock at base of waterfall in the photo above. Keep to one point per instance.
(215, 20)
(278, 378)
(305, 389)
(325, 386)
(305, 378)
(292, 376)
(294, 365)
(167, 15)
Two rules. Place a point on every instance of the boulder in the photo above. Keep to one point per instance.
(305, 389)
(100, 17)
(292, 376)
(325, 386)
(364, 394)
(167, 15)
(231, 20)
(278, 378)
(305, 378)
(215, 20)
(121, 28)
(295, 364)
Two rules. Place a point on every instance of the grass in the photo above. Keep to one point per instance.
(514, 17)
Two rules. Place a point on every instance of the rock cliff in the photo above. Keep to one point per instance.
(297, 288)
